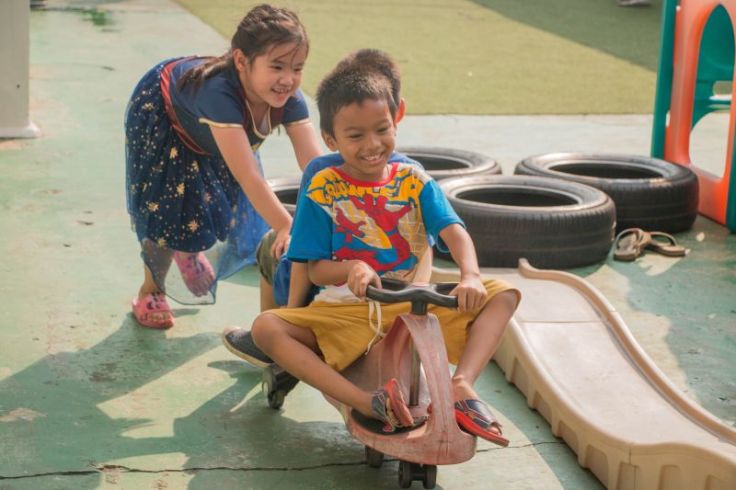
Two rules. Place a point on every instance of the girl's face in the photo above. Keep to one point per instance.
(272, 77)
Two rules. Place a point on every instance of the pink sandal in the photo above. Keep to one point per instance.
(196, 271)
(153, 311)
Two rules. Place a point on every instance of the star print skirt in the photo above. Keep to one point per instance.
(179, 200)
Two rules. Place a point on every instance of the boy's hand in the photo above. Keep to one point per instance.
(360, 276)
(281, 242)
(470, 293)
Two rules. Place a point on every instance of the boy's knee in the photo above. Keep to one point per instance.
(262, 330)
(507, 300)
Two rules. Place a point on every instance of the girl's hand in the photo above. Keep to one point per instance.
(470, 292)
(360, 276)
(281, 242)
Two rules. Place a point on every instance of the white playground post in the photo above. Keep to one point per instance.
(14, 71)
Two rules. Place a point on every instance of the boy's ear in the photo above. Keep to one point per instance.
(400, 111)
(329, 141)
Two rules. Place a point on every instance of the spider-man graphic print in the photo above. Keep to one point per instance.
(385, 224)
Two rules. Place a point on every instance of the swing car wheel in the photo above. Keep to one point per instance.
(373, 458)
(405, 474)
(430, 476)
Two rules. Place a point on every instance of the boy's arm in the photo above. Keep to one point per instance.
(470, 290)
(299, 285)
(356, 273)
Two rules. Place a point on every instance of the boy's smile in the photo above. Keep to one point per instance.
(365, 136)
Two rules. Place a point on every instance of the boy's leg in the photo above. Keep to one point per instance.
(295, 349)
(267, 264)
(484, 335)
(239, 340)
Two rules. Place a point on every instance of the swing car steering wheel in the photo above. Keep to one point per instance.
(397, 291)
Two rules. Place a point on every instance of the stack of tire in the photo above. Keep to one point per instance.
(560, 210)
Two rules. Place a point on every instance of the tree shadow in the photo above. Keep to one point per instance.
(630, 34)
(51, 416)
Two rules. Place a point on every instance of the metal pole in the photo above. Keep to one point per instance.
(14, 60)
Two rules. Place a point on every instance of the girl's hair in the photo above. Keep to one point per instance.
(263, 27)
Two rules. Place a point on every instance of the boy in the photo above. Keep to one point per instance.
(279, 286)
(369, 218)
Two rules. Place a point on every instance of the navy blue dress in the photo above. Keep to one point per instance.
(181, 196)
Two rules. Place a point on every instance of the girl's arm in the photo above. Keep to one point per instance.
(235, 148)
(305, 142)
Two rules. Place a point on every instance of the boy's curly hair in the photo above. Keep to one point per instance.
(354, 80)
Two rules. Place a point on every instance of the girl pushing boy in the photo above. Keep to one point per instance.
(195, 188)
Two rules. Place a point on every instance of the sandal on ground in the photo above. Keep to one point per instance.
(390, 408)
(475, 417)
(153, 311)
(196, 271)
(665, 244)
(630, 243)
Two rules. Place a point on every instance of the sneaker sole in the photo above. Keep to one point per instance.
(249, 359)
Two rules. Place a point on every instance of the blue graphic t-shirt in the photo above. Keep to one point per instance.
(385, 224)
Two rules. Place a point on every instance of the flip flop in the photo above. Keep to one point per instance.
(390, 408)
(630, 243)
(196, 271)
(153, 311)
(475, 417)
(668, 246)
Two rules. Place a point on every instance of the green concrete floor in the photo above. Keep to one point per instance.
(90, 400)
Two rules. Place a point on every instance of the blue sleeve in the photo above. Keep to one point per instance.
(437, 213)
(295, 109)
(319, 163)
(311, 232)
(217, 102)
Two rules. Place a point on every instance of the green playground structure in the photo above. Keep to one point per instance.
(696, 57)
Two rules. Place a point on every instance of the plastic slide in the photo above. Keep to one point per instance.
(578, 364)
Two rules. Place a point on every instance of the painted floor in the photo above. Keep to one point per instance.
(90, 400)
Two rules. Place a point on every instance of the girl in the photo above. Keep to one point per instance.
(195, 188)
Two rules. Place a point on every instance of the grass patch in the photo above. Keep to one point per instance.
(485, 56)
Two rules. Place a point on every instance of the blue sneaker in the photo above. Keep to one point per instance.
(239, 341)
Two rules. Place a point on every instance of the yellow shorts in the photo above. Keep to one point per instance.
(343, 331)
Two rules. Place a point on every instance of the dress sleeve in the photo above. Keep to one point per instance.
(295, 110)
(437, 213)
(218, 104)
(311, 232)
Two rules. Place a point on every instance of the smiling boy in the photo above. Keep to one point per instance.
(367, 218)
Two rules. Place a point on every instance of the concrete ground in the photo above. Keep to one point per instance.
(90, 400)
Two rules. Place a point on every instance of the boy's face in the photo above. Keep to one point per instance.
(365, 136)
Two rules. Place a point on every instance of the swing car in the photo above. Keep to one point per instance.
(413, 352)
